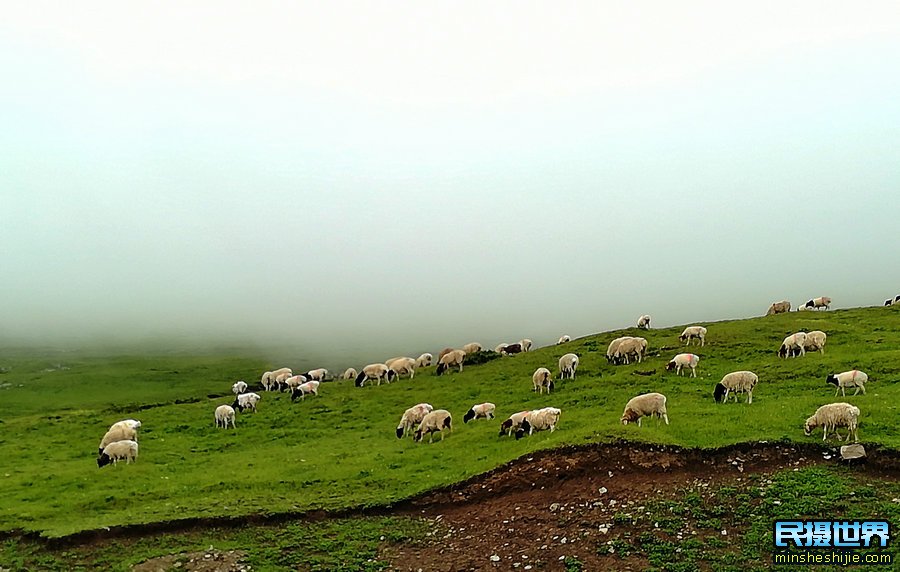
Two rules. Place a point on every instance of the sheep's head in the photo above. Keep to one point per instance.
(103, 460)
(671, 365)
(418, 435)
(400, 432)
(360, 379)
(810, 424)
(441, 368)
(719, 393)
(832, 379)
(470, 414)
(629, 416)
(505, 427)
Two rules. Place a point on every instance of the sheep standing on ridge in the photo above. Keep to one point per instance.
(526, 344)
(563, 340)
(424, 360)
(693, 332)
(681, 360)
(893, 301)
(540, 420)
(454, 358)
(779, 308)
(480, 411)
(471, 348)
(852, 378)
(500, 347)
(646, 405)
(239, 387)
(820, 302)
(224, 415)
(115, 452)
(734, 383)
(434, 421)
(794, 345)
(567, 366)
(832, 416)
(541, 379)
(511, 349)
(376, 371)
(643, 322)
(412, 417)
(636, 347)
(349, 373)
(815, 341)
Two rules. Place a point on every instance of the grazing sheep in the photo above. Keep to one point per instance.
(120, 431)
(779, 308)
(630, 347)
(793, 345)
(815, 340)
(444, 352)
(681, 360)
(304, 389)
(541, 379)
(804, 308)
(376, 371)
(646, 405)
(401, 366)
(820, 302)
(540, 420)
(643, 322)
(316, 374)
(852, 378)
(292, 382)
(511, 349)
(412, 417)
(246, 401)
(563, 340)
(567, 366)
(480, 411)
(268, 378)
(472, 348)
(692, 332)
(424, 360)
(239, 387)
(500, 347)
(281, 380)
(436, 420)
(514, 424)
(350, 373)
(613, 346)
(118, 450)
(526, 345)
(224, 414)
(454, 358)
(734, 383)
(892, 301)
(832, 416)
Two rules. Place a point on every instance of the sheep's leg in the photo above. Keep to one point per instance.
(639, 421)
(665, 418)
(749, 398)
(694, 373)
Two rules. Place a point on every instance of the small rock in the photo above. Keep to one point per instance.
(554, 507)
(495, 558)
(603, 490)
(724, 532)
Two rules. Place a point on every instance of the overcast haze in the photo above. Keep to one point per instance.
(396, 177)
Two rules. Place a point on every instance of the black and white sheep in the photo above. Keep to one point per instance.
(613, 346)
(472, 348)
(224, 415)
(434, 421)
(542, 378)
(820, 302)
(304, 389)
(734, 383)
(892, 301)
(125, 430)
(268, 378)
(349, 373)
(852, 378)
(246, 401)
(239, 387)
(376, 371)
(480, 411)
(511, 349)
(118, 450)
(646, 405)
(424, 360)
(539, 420)
(794, 345)
(514, 424)
(403, 366)
(567, 366)
(500, 347)
(454, 358)
(832, 416)
(412, 417)
(316, 374)
(682, 360)
(692, 333)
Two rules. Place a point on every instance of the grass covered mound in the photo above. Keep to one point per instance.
(339, 450)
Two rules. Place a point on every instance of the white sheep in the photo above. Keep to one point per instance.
(224, 414)
(563, 340)
(832, 416)
(613, 346)
(376, 371)
(424, 360)
(514, 424)
(500, 347)
(541, 378)
(316, 374)
(736, 382)
(304, 389)
(401, 366)
(412, 417)
(526, 344)
(281, 380)
(436, 420)
(120, 431)
(239, 387)
(778, 308)
(815, 340)
(471, 348)
(852, 378)
(631, 347)
(444, 352)
(294, 381)
(681, 360)
(453, 358)
(350, 373)
(480, 411)
(793, 345)
(246, 401)
(820, 302)
(268, 378)
(646, 405)
(567, 366)
(118, 450)
(693, 332)
(643, 322)
(540, 420)
(804, 308)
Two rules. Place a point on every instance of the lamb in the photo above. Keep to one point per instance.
(736, 382)
(349, 373)
(563, 339)
(567, 366)
(224, 414)
(412, 417)
(118, 450)
(316, 374)
(514, 424)
(630, 347)
(454, 358)
(820, 302)
(121, 431)
(406, 365)
(239, 387)
(246, 401)
(472, 348)
(646, 405)
(681, 360)
(436, 420)
(793, 345)
(480, 411)
(691, 332)
(643, 322)
(613, 346)
(852, 378)
(832, 416)
(424, 360)
(541, 379)
(815, 340)
(304, 389)
(779, 308)
(540, 420)
(376, 371)
(511, 349)
(526, 345)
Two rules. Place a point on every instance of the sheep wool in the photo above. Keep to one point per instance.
(568, 364)
(646, 405)
(434, 421)
(852, 378)
(682, 360)
(692, 333)
(480, 411)
(412, 417)
(542, 378)
(224, 415)
(118, 450)
(540, 420)
(832, 416)
(734, 383)
(451, 359)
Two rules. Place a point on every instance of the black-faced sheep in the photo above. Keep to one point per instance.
(434, 421)
(120, 431)
(304, 389)
(779, 308)
(514, 424)
(734, 383)
(118, 450)
(480, 411)
(316, 374)
(376, 371)
(643, 322)
(500, 347)
(693, 332)
(567, 366)
(820, 302)
(403, 366)
(794, 345)
(224, 415)
(832, 416)
(646, 405)
(541, 379)
(412, 417)
(454, 358)
(539, 420)
(852, 378)
(444, 352)
(892, 301)
(682, 360)
(613, 346)
(246, 401)
(268, 378)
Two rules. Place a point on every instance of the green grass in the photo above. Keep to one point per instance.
(339, 450)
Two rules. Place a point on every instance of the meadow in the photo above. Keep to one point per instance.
(338, 451)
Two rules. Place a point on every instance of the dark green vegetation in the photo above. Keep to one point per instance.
(339, 450)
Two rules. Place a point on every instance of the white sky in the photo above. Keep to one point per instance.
(407, 174)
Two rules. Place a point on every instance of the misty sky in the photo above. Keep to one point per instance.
(409, 175)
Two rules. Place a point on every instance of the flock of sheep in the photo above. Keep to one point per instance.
(120, 441)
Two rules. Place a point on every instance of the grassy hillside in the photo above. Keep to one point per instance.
(339, 450)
